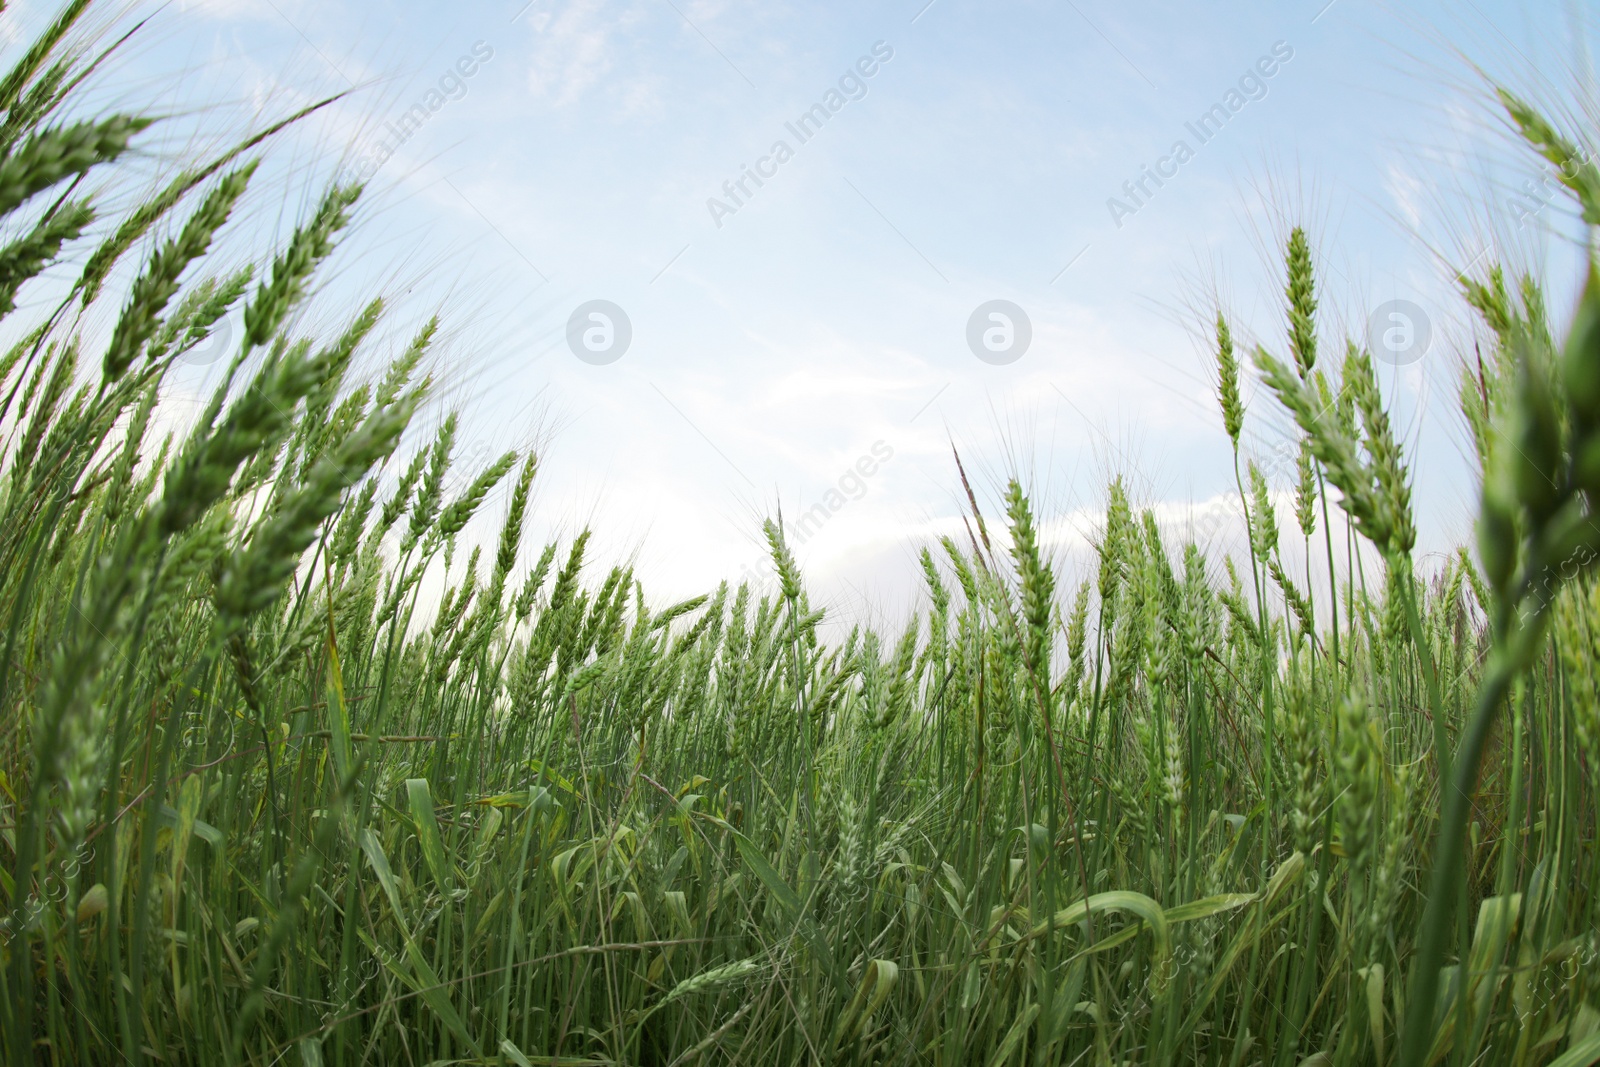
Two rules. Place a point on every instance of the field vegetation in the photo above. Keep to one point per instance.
(263, 801)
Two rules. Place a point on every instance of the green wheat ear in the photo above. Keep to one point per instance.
(1372, 492)
(1228, 383)
(30, 254)
(1263, 516)
(783, 561)
(1301, 292)
(159, 282)
(254, 579)
(511, 532)
(430, 494)
(454, 516)
(936, 589)
(41, 51)
(54, 155)
(291, 271)
(1574, 168)
(197, 312)
(1305, 496)
(1038, 583)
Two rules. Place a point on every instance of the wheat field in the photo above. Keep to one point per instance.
(262, 801)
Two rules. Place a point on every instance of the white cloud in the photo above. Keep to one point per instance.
(575, 49)
(1407, 191)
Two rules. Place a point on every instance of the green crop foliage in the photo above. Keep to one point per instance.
(262, 802)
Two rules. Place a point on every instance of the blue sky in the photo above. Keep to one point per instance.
(820, 329)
